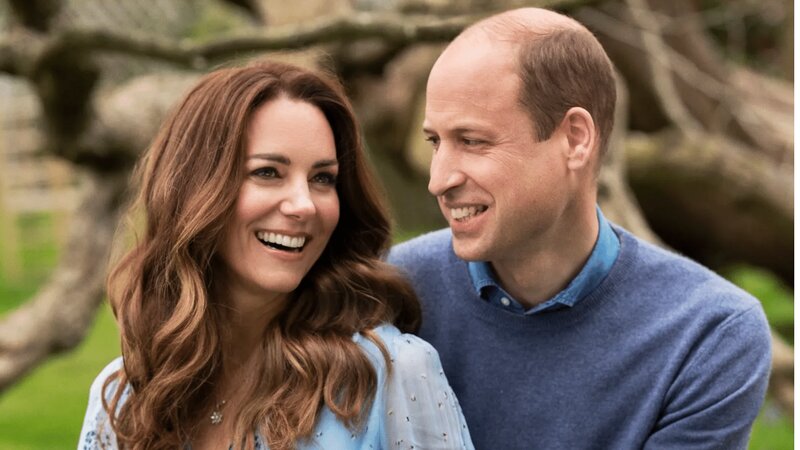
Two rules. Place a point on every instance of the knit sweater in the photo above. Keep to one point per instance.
(663, 354)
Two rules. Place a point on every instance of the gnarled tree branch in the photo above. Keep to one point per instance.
(392, 29)
(57, 318)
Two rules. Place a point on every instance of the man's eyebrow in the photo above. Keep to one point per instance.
(458, 130)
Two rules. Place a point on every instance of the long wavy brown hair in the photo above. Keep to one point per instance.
(160, 290)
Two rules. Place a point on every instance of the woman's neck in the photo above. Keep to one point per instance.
(246, 317)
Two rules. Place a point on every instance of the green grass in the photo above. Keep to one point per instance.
(772, 430)
(45, 410)
(38, 254)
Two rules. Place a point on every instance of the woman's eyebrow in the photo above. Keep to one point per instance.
(325, 163)
(278, 158)
(274, 157)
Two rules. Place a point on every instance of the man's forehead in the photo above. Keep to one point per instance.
(454, 108)
(464, 102)
(484, 83)
(478, 45)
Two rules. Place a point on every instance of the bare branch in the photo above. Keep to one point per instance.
(660, 69)
(35, 14)
(19, 49)
(740, 172)
(29, 55)
(764, 120)
(746, 206)
(253, 8)
(9, 62)
(683, 67)
(614, 194)
(390, 28)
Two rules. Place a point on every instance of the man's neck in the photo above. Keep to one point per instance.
(549, 267)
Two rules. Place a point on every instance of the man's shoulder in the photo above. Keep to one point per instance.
(653, 266)
(430, 248)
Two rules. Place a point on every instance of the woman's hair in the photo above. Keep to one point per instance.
(160, 291)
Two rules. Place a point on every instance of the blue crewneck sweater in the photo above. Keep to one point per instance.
(663, 354)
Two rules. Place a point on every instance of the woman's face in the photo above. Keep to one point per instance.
(287, 207)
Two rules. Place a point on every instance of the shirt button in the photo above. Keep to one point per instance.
(505, 301)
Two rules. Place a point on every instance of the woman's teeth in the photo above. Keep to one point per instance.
(465, 213)
(282, 240)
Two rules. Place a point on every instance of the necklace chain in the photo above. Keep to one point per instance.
(216, 413)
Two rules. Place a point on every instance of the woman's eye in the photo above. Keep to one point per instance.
(265, 172)
(324, 178)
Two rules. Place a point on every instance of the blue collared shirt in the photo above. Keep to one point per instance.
(604, 253)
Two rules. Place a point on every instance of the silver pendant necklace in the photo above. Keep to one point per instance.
(216, 413)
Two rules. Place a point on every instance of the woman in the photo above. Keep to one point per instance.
(255, 310)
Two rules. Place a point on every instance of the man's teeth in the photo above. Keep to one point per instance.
(463, 213)
(281, 239)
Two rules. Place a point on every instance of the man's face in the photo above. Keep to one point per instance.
(503, 192)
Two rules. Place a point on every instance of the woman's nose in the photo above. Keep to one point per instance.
(298, 202)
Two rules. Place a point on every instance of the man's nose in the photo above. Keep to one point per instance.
(445, 172)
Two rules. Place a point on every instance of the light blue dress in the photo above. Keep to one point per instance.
(414, 408)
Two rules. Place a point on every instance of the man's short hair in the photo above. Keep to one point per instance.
(560, 67)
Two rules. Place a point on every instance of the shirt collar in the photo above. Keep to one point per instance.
(603, 256)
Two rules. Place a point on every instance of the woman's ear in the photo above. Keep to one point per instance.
(578, 126)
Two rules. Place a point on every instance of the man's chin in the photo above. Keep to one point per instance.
(469, 249)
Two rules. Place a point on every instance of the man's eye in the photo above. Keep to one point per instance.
(433, 140)
(265, 172)
(472, 142)
(324, 178)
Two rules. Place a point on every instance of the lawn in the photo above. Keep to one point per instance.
(45, 410)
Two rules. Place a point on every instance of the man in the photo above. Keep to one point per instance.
(557, 329)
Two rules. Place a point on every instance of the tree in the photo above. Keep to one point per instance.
(691, 130)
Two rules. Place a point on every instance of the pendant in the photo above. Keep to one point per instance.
(216, 414)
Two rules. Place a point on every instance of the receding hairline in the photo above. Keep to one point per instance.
(518, 26)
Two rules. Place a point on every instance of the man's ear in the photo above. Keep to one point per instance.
(578, 126)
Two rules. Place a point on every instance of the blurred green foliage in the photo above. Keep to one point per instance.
(214, 19)
(757, 34)
(777, 298)
(772, 430)
(45, 410)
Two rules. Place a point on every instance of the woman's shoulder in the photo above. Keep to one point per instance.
(113, 366)
(96, 432)
(406, 351)
(421, 410)
(96, 389)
